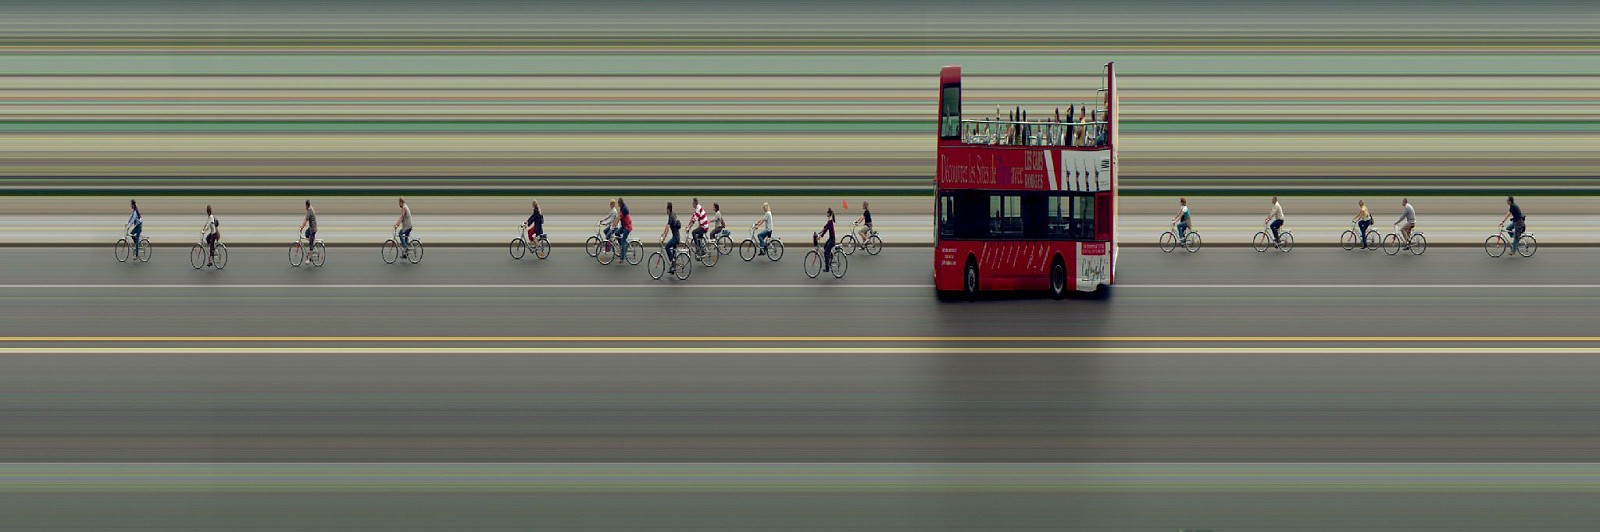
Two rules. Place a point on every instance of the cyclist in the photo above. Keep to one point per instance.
(136, 225)
(669, 245)
(212, 234)
(1519, 223)
(609, 223)
(403, 226)
(1275, 216)
(1182, 219)
(624, 228)
(1407, 221)
(308, 226)
(765, 227)
(701, 225)
(865, 220)
(719, 228)
(827, 247)
(1363, 220)
(535, 223)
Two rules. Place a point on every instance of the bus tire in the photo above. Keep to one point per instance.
(969, 280)
(1058, 279)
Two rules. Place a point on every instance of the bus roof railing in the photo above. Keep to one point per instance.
(1086, 134)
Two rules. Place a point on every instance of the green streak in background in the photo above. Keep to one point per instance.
(800, 63)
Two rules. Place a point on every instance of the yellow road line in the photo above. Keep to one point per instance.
(1498, 351)
(808, 339)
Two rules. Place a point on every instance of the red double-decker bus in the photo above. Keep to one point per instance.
(1026, 202)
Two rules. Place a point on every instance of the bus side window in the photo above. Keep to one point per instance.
(1102, 230)
(1083, 217)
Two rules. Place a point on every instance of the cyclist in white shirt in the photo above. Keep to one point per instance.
(1275, 216)
(212, 233)
(764, 227)
(1182, 219)
(1407, 220)
(403, 225)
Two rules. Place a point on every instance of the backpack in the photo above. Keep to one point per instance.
(627, 220)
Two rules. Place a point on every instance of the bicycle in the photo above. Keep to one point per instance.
(592, 245)
(1392, 243)
(813, 262)
(197, 254)
(520, 245)
(873, 243)
(124, 247)
(1264, 237)
(1169, 240)
(681, 263)
(1497, 243)
(607, 250)
(701, 249)
(1352, 236)
(724, 242)
(749, 248)
(391, 249)
(298, 255)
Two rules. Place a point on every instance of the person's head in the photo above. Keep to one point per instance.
(1274, 199)
(1361, 203)
(1183, 201)
(208, 210)
(695, 201)
(308, 205)
(402, 202)
(766, 207)
(535, 205)
(621, 203)
(613, 203)
(716, 207)
(830, 213)
(134, 204)
(669, 207)
(1405, 201)
(1510, 200)
(864, 206)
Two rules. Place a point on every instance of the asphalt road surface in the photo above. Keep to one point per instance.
(1225, 390)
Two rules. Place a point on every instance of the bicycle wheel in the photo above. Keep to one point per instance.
(874, 245)
(1285, 241)
(221, 260)
(415, 256)
(1168, 242)
(684, 265)
(1391, 244)
(635, 252)
(390, 251)
(1528, 246)
(1495, 246)
(1374, 240)
(145, 250)
(592, 246)
(840, 264)
(122, 250)
(813, 264)
(725, 245)
(774, 249)
(297, 254)
(747, 250)
(606, 253)
(518, 248)
(657, 266)
(1191, 241)
(847, 244)
(1348, 240)
(319, 254)
(1259, 242)
(1419, 244)
(197, 256)
(711, 255)
(541, 248)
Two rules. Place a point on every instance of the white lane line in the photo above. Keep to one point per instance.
(302, 286)
(1364, 285)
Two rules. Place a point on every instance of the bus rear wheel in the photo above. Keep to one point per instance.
(969, 280)
(1058, 279)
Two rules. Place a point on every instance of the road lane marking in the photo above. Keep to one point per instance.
(802, 339)
(802, 350)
